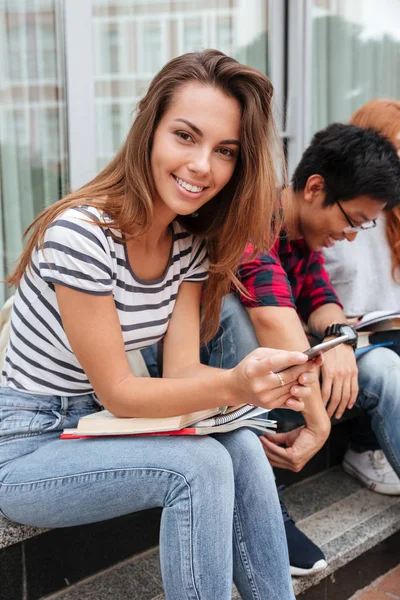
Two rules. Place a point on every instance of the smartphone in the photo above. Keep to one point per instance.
(320, 348)
(325, 346)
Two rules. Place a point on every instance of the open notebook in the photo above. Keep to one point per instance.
(201, 422)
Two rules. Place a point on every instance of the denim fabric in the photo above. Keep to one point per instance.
(213, 491)
(378, 377)
(234, 339)
(150, 355)
(379, 396)
(362, 436)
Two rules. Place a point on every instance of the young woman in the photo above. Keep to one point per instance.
(119, 265)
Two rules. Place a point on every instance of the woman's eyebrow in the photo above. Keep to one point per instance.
(201, 134)
(236, 142)
(195, 129)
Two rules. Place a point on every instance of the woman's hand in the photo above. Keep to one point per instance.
(256, 380)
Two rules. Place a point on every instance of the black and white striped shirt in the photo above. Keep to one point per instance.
(81, 255)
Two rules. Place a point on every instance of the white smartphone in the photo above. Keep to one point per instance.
(325, 346)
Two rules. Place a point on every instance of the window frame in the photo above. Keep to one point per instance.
(80, 82)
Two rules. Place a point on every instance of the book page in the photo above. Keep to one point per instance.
(376, 316)
(104, 422)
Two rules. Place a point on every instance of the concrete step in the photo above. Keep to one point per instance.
(345, 519)
(342, 517)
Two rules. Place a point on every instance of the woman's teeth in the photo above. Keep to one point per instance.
(187, 186)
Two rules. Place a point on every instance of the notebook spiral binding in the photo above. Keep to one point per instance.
(224, 419)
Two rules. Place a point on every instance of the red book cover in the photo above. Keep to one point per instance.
(185, 431)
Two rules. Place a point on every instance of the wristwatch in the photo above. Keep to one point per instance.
(341, 329)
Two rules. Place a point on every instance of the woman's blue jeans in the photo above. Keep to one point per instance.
(221, 517)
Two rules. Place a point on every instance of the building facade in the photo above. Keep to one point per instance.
(72, 71)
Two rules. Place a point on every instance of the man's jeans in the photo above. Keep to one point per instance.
(221, 515)
(378, 374)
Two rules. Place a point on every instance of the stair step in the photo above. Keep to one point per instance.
(335, 510)
(343, 517)
(12, 533)
(136, 579)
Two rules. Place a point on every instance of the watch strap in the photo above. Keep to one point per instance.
(336, 330)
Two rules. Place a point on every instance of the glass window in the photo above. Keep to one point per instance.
(193, 38)
(151, 33)
(109, 43)
(225, 34)
(152, 47)
(33, 138)
(355, 56)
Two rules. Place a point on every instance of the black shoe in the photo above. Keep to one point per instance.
(304, 556)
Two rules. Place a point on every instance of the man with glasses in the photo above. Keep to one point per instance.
(344, 180)
(352, 226)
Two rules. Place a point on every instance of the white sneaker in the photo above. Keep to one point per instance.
(373, 469)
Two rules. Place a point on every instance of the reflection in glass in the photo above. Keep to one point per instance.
(33, 139)
(355, 56)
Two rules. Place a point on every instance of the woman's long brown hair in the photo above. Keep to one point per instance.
(244, 210)
(384, 116)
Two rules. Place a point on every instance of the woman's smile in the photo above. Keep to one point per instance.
(187, 189)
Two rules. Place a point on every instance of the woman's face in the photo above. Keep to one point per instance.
(195, 148)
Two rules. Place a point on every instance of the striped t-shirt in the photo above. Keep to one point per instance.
(81, 255)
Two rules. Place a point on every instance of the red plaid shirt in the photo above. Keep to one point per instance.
(290, 275)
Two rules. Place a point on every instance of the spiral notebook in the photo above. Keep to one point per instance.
(204, 422)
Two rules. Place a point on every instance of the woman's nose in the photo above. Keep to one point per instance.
(200, 164)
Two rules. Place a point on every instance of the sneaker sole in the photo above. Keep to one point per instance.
(379, 488)
(320, 565)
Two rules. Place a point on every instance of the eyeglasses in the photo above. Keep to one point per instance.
(352, 227)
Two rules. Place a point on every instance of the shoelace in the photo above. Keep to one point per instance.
(285, 512)
(378, 460)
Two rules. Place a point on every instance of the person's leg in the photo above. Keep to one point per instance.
(362, 436)
(151, 358)
(261, 565)
(234, 339)
(379, 396)
(48, 482)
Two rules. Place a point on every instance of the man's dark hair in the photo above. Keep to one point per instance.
(353, 162)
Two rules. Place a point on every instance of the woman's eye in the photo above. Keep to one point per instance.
(186, 137)
(227, 152)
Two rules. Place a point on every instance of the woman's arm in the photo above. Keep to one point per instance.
(181, 349)
(94, 332)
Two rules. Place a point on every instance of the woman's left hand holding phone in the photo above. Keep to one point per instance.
(257, 380)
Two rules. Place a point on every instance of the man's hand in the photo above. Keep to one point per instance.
(339, 380)
(301, 445)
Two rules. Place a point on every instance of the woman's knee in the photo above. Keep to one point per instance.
(209, 464)
(246, 451)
